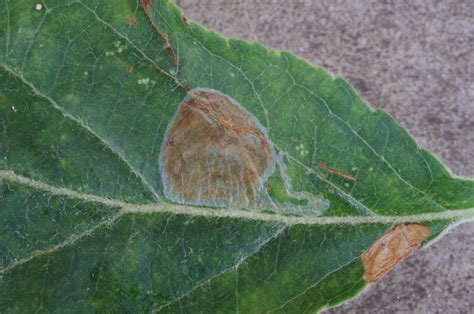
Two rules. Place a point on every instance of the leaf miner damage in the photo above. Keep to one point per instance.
(336, 172)
(215, 153)
(392, 248)
(147, 5)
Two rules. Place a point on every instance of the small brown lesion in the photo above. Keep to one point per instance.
(392, 248)
(215, 153)
(184, 19)
(132, 21)
(167, 46)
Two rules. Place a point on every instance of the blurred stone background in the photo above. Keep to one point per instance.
(413, 59)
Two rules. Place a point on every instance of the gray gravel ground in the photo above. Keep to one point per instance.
(415, 60)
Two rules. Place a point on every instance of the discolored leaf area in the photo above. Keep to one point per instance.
(215, 153)
(148, 164)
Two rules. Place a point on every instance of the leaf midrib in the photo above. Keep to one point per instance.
(176, 209)
(236, 213)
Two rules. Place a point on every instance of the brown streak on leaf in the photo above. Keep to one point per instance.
(168, 47)
(392, 248)
(163, 36)
(336, 172)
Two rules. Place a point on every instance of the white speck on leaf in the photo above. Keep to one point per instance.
(14, 109)
(144, 81)
(300, 148)
(118, 45)
(39, 7)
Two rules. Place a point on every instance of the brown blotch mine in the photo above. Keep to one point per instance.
(392, 248)
(215, 153)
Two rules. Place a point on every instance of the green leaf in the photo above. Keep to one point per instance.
(90, 93)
